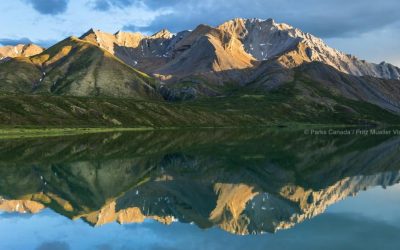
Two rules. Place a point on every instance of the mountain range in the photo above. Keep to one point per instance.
(235, 45)
(249, 58)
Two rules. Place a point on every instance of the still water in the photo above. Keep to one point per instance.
(211, 189)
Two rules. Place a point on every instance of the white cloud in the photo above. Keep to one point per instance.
(22, 21)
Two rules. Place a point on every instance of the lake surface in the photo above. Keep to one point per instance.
(207, 189)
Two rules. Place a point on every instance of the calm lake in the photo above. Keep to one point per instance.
(201, 189)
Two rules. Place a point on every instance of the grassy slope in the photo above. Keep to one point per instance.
(300, 101)
(21, 81)
(286, 105)
(55, 111)
(86, 70)
(77, 68)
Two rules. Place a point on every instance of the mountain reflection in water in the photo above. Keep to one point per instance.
(244, 182)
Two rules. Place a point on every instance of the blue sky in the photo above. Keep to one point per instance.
(368, 29)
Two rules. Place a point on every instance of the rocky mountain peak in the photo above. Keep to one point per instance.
(91, 31)
(164, 34)
(267, 39)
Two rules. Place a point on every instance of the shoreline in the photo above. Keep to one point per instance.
(33, 132)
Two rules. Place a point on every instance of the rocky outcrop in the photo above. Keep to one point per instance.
(20, 50)
(137, 50)
(108, 214)
(20, 206)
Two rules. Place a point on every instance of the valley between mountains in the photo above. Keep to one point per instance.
(245, 72)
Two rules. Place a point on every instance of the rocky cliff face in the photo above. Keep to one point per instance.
(266, 39)
(135, 49)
